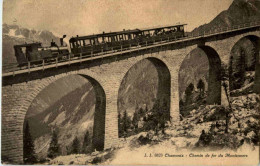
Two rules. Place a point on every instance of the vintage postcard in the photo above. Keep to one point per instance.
(130, 82)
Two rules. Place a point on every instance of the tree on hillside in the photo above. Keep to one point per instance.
(54, 149)
(126, 123)
(229, 110)
(86, 147)
(188, 93)
(181, 104)
(240, 70)
(29, 156)
(164, 115)
(201, 87)
(252, 61)
(158, 117)
(75, 147)
(146, 109)
(120, 130)
(141, 112)
(230, 73)
(136, 119)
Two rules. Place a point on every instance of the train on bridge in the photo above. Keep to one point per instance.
(92, 45)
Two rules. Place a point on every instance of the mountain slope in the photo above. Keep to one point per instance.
(72, 115)
(240, 11)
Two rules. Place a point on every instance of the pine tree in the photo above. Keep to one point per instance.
(29, 156)
(230, 73)
(164, 115)
(146, 109)
(86, 148)
(252, 60)
(75, 147)
(120, 130)
(54, 149)
(136, 119)
(126, 121)
(241, 65)
(181, 104)
(201, 87)
(188, 93)
(141, 112)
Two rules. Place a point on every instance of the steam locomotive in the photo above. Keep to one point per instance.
(90, 45)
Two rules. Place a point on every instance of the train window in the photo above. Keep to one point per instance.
(100, 40)
(129, 36)
(80, 43)
(126, 37)
(117, 38)
(73, 44)
(120, 37)
(24, 50)
(96, 42)
(113, 38)
(146, 33)
(181, 28)
(86, 42)
(105, 40)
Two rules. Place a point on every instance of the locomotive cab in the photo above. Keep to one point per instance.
(26, 52)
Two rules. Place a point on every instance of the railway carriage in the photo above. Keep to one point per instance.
(112, 41)
(92, 45)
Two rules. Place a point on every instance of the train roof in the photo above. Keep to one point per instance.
(161, 27)
(130, 31)
(105, 34)
(28, 44)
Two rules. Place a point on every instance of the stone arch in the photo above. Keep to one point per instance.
(255, 41)
(214, 80)
(98, 139)
(214, 84)
(164, 77)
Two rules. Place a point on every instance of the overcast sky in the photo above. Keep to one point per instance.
(84, 17)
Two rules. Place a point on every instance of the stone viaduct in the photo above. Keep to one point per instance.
(106, 75)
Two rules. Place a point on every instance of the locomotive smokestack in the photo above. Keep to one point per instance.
(61, 41)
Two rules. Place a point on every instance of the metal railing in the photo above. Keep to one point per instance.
(79, 59)
(218, 30)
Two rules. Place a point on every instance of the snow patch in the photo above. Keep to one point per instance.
(12, 34)
(59, 119)
(47, 118)
(86, 125)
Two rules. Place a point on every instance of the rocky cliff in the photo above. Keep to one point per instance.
(239, 12)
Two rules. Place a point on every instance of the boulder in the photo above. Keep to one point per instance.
(238, 103)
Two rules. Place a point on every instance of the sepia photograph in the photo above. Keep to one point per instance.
(130, 82)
